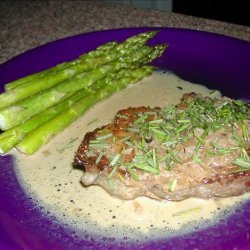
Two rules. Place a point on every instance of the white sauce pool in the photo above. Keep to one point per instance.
(48, 176)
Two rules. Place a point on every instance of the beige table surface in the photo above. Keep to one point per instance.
(27, 24)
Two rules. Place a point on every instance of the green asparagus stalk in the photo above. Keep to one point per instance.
(11, 137)
(13, 115)
(59, 67)
(137, 39)
(21, 111)
(121, 54)
(24, 90)
(35, 139)
(39, 84)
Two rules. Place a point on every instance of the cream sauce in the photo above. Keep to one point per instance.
(49, 177)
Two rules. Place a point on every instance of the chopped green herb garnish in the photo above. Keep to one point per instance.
(146, 168)
(187, 212)
(158, 131)
(243, 163)
(122, 116)
(112, 172)
(197, 159)
(159, 137)
(128, 143)
(182, 128)
(99, 158)
(104, 137)
(91, 122)
(125, 139)
(158, 121)
(245, 133)
(172, 185)
(98, 145)
(222, 150)
(111, 184)
(115, 160)
(169, 143)
(121, 177)
(133, 174)
(68, 145)
(174, 156)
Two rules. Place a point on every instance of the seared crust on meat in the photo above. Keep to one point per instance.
(118, 129)
(145, 152)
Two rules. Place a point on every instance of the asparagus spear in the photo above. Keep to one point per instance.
(59, 67)
(139, 38)
(21, 111)
(13, 115)
(35, 139)
(32, 87)
(27, 89)
(11, 137)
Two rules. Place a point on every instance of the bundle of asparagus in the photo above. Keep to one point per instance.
(36, 107)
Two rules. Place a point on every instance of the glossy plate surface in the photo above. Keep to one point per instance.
(216, 61)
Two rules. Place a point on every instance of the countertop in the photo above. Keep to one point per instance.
(27, 24)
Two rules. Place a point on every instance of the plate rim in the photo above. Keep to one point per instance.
(120, 29)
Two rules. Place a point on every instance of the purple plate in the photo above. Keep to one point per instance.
(216, 61)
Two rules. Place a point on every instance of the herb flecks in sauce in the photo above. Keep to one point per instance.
(70, 144)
